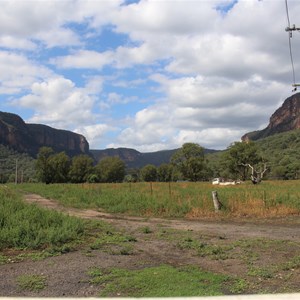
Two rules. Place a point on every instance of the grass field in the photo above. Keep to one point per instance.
(180, 199)
(29, 227)
(149, 259)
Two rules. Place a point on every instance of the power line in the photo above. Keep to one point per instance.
(287, 13)
(290, 30)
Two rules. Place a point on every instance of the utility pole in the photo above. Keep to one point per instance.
(16, 179)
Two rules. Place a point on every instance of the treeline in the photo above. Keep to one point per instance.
(279, 153)
(188, 163)
(59, 168)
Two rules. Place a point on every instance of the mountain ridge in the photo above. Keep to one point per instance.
(285, 118)
(28, 138)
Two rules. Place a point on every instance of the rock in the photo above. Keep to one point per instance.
(285, 118)
(23, 137)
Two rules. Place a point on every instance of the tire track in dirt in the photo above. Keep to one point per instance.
(217, 228)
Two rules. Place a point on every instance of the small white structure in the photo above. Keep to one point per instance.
(220, 181)
(216, 181)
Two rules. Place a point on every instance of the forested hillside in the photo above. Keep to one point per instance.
(283, 153)
(280, 151)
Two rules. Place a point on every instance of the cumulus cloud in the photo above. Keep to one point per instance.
(95, 134)
(58, 102)
(18, 72)
(187, 70)
(84, 59)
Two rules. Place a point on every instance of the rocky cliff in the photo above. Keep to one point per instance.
(285, 118)
(23, 137)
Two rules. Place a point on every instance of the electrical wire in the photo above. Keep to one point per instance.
(287, 13)
(290, 43)
(292, 60)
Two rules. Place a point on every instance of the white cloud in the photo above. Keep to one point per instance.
(214, 138)
(213, 114)
(58, 103)
(18, 72)
(84, 59)
(11, 42)
(95, 134)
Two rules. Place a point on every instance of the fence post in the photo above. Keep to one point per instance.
(216, 201)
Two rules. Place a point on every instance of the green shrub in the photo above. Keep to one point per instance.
(28, 226)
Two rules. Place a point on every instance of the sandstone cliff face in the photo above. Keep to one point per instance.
(285, 118)
(15, 133)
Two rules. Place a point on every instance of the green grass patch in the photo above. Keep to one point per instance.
(33, 283)
(162, 281)
(43, 233)
(26, 226)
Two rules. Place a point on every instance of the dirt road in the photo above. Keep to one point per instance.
(274, 230)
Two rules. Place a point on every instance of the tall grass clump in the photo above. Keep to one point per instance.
(28, 226)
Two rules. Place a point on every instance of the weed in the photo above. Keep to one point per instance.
(206, 250)
(31, 282)
(263, 273)
(294, 263)
(95, 272)
(146, 230)
(3, 259)
(123, 250)
(239, 286)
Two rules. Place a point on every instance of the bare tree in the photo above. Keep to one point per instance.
(256, 175)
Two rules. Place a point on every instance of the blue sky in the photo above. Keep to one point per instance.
(149, 74)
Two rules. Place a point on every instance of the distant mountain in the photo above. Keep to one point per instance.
(136, 159)
(285, 118)
(28, 138)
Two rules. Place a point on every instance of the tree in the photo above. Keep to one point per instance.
(149, 173)
(60, 164)
(45, 172)
(165, 173)
(189, 159)
(110, 169)
(238, 156)
(81, 168)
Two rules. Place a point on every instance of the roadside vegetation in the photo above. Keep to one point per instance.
(180, 199)
(37, 233)
(26, 226)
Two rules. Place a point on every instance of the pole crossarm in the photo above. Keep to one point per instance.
(293, 28)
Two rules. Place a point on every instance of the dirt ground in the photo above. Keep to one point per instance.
(276, 243)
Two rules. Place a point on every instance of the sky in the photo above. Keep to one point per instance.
(150, 74)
